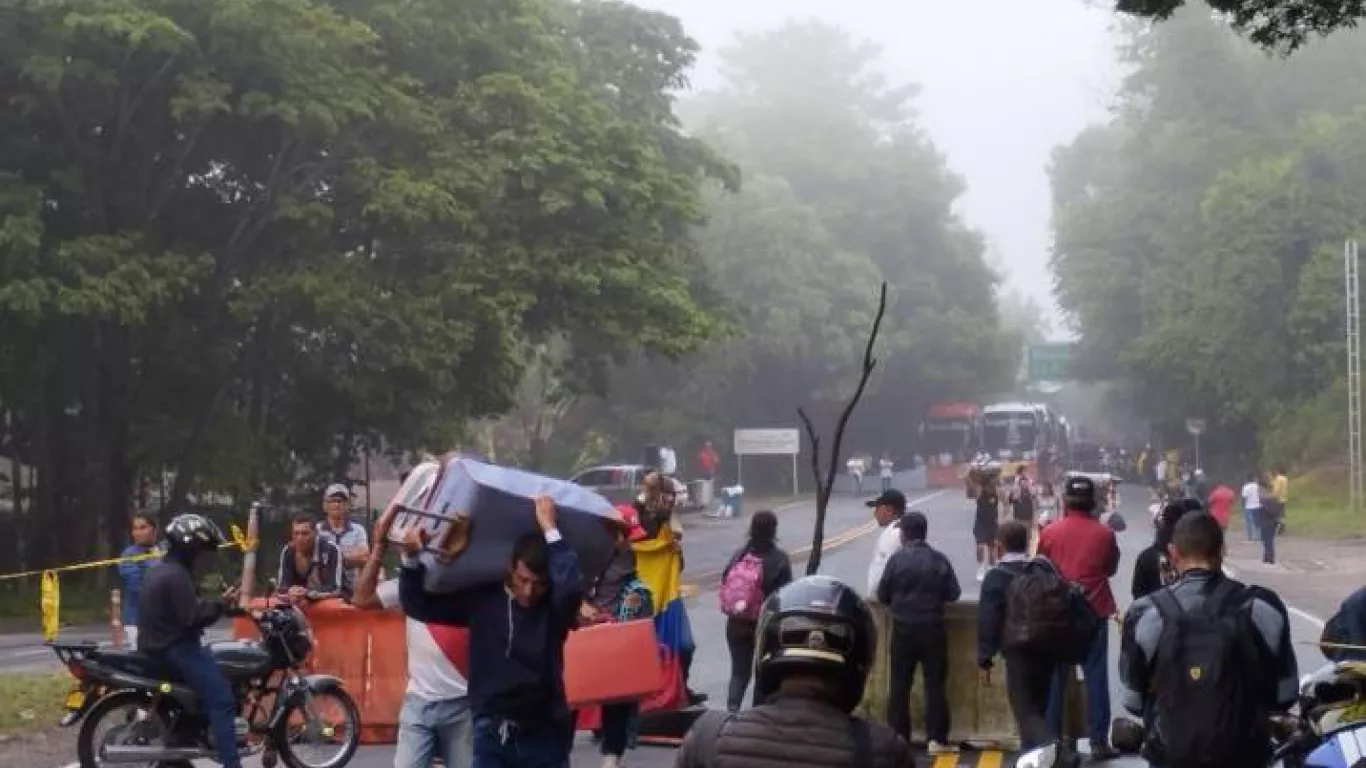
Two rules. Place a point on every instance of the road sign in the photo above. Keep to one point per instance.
(1049, 362)
(1196, 426)
(767, 442)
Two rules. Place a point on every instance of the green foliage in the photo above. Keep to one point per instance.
(1198, 236)
(1279, 24)
(242, 239)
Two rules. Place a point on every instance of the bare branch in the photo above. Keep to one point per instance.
(815, 441)
(823, 489)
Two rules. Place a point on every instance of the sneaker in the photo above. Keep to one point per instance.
(940, 748)
(1103, 753)
(611, 761)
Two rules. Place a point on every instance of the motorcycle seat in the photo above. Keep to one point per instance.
(137, 663)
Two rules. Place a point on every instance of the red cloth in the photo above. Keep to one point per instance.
(1221, 504)
(706, 459)
(1086, 552)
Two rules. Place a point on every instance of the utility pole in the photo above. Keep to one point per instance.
(1356, 491)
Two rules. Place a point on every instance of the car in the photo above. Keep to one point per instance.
(620, 483)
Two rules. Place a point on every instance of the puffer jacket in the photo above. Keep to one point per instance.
(794, 732)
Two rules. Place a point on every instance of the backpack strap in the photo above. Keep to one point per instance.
(863, 742)
(706, 733)
(1167, 606)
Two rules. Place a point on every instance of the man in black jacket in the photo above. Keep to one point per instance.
(1029, 677)
(171, 623)
(517, 635)
(916, 585)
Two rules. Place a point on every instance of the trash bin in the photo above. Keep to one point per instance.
(700, 491)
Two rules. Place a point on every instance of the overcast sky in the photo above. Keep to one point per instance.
(1004, 82)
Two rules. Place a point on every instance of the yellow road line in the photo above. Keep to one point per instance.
(991, 759)
(945, 761)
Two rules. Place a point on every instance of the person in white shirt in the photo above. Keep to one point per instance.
(436, 720)
(1160, 474)
(885, 470)
(668, 461)
(887, 509)
(855, 468)
(1252, 506)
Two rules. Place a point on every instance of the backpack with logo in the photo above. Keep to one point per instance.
(1209, 672)
(1046, 614)
(709, 729)
(742, 593)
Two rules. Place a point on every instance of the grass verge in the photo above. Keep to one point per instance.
(1318, 507)
(30, 700)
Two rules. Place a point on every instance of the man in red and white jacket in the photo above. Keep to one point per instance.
(436, 720)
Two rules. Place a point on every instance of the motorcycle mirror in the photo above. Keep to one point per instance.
(1043, 757)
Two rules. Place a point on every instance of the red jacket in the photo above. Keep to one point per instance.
(1221, 504)
(1086, 552)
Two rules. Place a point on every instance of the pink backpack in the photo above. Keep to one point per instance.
(742, 593)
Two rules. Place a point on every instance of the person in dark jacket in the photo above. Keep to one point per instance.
(517, 634)
(172, 619)
(815, 649)
(1347, 627)
(311, 566)
(1029, 677)
(918, 582)
(777, 572)
(138, 558)
(1152, 568)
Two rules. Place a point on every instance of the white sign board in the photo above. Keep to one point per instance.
(1195, 426)
(767, 442)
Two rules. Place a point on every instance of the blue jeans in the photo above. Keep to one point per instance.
(1250, 520)
(500, 743)
(194, 664)
(1267, 526)
(427, 729)
(1096, 670)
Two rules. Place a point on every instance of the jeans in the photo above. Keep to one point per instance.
(1250, 521)
(500, 743)
(193, 663)
(886, 483)
(617, 720)
(913, 645)
(1267, 525)
(1096, 670)
(1029, 682)
(740, 641)
(429, 729)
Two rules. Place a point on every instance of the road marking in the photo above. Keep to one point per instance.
(991, 759)
(1307, 616)
(945, 761)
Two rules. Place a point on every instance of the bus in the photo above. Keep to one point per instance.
(950, 436)
(1018, 433)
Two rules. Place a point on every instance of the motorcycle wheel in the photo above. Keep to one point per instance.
(85, 747)
(286, 745)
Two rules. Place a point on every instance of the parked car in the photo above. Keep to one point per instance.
(620, 483)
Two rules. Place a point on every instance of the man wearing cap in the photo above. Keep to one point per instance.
(1087, 554)
(349, 538)
(887, 509)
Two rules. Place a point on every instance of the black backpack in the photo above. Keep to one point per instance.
(708, 729)
(1038, 610)
(1209, 678)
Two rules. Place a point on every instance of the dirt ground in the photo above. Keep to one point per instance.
(45, 745)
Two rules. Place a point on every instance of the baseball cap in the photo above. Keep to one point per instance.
(892, 498)
(337, 489)
(1079, 486)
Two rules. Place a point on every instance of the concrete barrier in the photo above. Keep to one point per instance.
(978, 715)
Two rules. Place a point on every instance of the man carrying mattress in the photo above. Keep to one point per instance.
(517, 634)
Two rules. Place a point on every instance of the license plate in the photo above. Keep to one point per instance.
(75, 699)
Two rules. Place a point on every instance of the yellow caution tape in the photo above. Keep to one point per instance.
(239, 541)
(50, 603)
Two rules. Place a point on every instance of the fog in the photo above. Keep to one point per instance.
(1003, 84)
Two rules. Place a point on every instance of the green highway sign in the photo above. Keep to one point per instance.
(1049, 362)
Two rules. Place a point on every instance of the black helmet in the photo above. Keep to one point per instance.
(193, 533)
(1079, 493)
(816, 624)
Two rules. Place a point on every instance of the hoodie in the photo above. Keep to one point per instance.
(169, 608)
(516, 653)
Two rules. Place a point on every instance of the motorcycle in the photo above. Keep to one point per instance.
(1329, 730)
(154, 719)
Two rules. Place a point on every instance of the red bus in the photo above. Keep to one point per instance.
(950, 436)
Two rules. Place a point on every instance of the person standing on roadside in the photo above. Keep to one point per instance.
(855, 469)
(1029, 674)
(1220, 504)
(1252, 505)
(517, 633)
(887, 509)
(916, 585)
(1087, 554)
(1280, 491)
(435, 719)
(1206, 660)
(707, 459)
(348, 536)
(133, 569)
(1022, 497)
(758, 569)
(885, 471)
(984, 522)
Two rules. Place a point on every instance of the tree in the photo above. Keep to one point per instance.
(1282, 24)
(245, 239)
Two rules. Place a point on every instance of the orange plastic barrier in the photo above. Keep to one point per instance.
(367, 650)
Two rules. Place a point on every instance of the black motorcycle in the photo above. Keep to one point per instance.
(154, 719)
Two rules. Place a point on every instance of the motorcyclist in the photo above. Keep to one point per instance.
(172, 619)
(816, 643)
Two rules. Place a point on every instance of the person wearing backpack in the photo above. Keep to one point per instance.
(1003, 628)
(1086, 553)
(1205, 660)
(1153, 567)
(916, 585)
(816, 642)
(755, 571)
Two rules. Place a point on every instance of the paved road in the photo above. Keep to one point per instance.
(709, 543)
